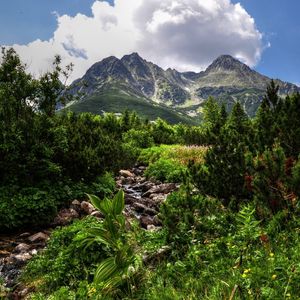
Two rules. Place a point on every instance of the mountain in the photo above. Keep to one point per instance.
(132, 82)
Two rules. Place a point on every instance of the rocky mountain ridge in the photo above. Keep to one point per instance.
(227, 79)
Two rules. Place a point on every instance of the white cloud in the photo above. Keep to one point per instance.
(182, 34)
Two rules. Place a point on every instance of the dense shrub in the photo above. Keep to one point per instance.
(25, 207)
(165, 170)
(36, 206)
(64, 262)
(138, 138)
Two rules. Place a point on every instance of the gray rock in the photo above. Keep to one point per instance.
(97, 214)
(24, 235)
(20, 258)
(33, 252)
(87, 207)
(38, 237)
(126, 173)
(21, 248)
(145, 186)
(157, 221)
(141, 208)
(75, 202)
(65, 216)
(145, 221)
(161, 189)
(130, 200)
(153, 228)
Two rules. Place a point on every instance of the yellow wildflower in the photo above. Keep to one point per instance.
(274, 276)
(244, 275)
(271, 254)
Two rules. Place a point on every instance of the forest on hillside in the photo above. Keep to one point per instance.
(230, 230)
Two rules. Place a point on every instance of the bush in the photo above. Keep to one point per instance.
(64, 262)
(165, 170)
(138, 138)
(25, 207)
(37, 206)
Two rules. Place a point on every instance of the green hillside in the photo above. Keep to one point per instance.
(117, 101)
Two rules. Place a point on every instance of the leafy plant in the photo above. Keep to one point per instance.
(123, 262)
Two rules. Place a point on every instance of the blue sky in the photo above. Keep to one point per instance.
(22, 22)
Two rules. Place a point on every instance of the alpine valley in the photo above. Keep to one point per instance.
(114, 85)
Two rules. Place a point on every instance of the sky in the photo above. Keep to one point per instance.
(181, 34)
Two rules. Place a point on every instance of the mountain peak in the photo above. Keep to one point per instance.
(132, 57)
(228, 63)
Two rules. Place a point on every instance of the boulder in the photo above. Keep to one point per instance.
(97, 214)
(128, 180)
(87, 207)
(165, 188)
(21, 248)
(20, 258)
(141, 208)
(24, 235)
(130, 200)
(145, 221)
(157, 221)
(38, 237)
(145, 186)
(126, 173)
(153, 228)
(76, 205)
(65, 216)
(137, 171)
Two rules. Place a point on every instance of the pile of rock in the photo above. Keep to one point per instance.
(143, 197)
(18, 251)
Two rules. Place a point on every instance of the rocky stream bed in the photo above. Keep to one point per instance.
(142, 200)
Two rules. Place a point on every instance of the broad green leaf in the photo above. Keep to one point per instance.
(118, 203)
(106, 206)
(95, 201)
(105, 270)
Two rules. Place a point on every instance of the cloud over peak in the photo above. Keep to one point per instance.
(181, 34)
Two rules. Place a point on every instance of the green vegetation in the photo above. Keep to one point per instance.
(230, 232)
(114, 100)
(168, 163)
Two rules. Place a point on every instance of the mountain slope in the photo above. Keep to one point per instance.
(132, 77)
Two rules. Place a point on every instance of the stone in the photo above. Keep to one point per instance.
(126, 173)
(24, 235)
(145, 221)
(151, 228)
(97, 214)
(145, 186)
(158, 198)
(137, 171)
(33, 252)
(76, 202)
(38, 237)
(65, 216)
(141, 208)
(130, 200)
(128, 180)
(119, 183)
(21, 248)
(87, 207)
(140, 179)
(20, 258)
(157, 221)
(161, 189)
